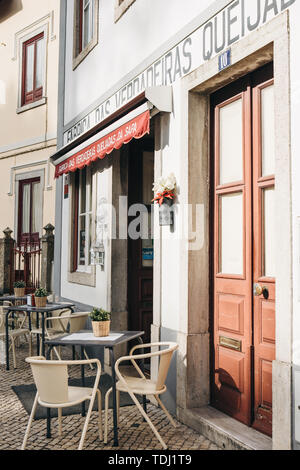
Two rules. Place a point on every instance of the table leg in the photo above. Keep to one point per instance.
(43, 333)
(48, 434)
(143, 370)
(7, 339)
(37, 336)
(82, 379)
(73, 353)
(113, 373)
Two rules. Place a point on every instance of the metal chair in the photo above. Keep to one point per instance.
(14, 334)
(53, 391)
(141, 385)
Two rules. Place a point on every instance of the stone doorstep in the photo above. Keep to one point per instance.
(224, 431)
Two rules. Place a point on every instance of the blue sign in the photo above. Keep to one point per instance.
(147, 253)
(225, 60)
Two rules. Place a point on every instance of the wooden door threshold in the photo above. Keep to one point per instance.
(224, 431)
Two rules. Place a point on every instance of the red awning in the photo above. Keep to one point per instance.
(134, 129)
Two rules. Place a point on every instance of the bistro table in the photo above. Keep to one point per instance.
(85, 338)
(49, 308)
(13, 298)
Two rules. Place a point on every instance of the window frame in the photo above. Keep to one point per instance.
(27, 237)
(24, 39)
(36, 92)
(77, 214)
(80, 51)
(121, 6)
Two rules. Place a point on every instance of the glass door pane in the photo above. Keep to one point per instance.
(231, 142)
(26, 209)
(231, 234)
(29, 68)
(268, 235)
(267, 131)
(35, 208)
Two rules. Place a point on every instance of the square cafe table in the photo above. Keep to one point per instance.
(49, 308)
(85, 338)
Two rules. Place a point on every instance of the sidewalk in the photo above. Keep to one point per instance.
(134, 434)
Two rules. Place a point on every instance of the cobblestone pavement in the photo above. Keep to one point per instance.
(134, 434)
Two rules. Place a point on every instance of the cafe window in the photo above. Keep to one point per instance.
(85, 29)
(82, 228)
(33, 65)
(121, 6)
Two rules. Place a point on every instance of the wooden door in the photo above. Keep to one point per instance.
(243, 203)
(263, 255)
(233, 252)
(140, 250)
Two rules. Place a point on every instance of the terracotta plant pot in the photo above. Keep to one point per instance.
(40, 301)
(101, 328)
(19, 291)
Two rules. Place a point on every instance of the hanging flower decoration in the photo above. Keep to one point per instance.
(164, 189)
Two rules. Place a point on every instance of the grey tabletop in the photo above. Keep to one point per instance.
(126, 336)
(12, 298)
(50, 307)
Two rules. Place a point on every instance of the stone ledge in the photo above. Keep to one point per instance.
(224, 431)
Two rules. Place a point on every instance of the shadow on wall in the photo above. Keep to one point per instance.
(9, 8)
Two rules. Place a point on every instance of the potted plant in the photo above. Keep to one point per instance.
(100, 321)
(19, 288)
(165, 193)
(40, 297)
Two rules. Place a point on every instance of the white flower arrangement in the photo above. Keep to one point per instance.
(164, 188)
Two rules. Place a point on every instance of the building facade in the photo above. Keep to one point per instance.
(210, 94)
(28, 116)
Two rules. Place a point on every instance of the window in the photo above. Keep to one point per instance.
(29, 213)
(85, 29)
(82, 208)
(121, 7)
(33, 69)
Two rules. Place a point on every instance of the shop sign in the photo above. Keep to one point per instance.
(135, 128)
(234, 22)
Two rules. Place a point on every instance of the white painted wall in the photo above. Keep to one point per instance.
(122, 45)
(295, 126)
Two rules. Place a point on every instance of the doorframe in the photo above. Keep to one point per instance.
(269, 43)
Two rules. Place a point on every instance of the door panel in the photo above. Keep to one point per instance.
(140, 251)
(232, 275)
(264, 249)
(244, 225)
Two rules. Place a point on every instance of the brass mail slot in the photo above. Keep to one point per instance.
(231, 343)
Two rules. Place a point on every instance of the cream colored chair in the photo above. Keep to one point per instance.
(54, 327)
(14, 334)
(141, 385)
(53, 391)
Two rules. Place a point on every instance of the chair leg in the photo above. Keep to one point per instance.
(141, 410)
(165, 411)
(106, 414)
(59, 410)
(13, 352)
(30, 422)
(118, 406)
(100, 415)
(87, 358)
(86, 423)
(57, 353)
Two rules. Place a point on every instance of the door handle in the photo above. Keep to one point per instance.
(259, 290)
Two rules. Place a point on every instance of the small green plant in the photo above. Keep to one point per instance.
(98, 314)
(19, 284)
(41, 292)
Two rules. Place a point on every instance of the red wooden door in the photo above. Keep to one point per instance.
(263, 255)
(244, 325)
(140, 247)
